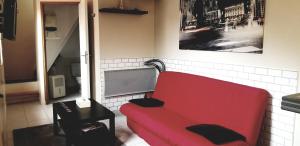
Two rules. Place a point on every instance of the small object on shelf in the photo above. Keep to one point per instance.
(123, 11)
(158, 64)
(66, 108)
(83, 102)
(51, 25)
(51, 28)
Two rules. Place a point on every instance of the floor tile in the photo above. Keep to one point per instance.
(35, 114)
(39, 122)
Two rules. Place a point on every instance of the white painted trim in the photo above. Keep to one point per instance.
(84, 49)
(97, 54)
(40, 55)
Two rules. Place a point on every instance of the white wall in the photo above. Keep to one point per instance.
(119, 64)
(281, 45)
(121, 36)
(19, 55)
(127, 36)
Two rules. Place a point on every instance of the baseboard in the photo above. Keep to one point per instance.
(21, 97)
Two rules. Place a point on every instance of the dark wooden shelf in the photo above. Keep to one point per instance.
(123, 11)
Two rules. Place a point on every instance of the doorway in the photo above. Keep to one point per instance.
(62, 50)
(61, 28)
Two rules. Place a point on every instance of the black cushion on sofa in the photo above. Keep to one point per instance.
(147, 102)
(216, 134)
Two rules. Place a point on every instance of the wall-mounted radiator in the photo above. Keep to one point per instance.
(130, 81)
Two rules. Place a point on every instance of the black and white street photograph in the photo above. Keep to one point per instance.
(222, 25)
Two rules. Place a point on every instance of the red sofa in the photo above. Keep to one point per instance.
(190, 100)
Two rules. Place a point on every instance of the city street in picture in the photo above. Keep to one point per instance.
(222, 25)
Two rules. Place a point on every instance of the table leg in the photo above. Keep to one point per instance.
(55, 124)
(112, 129)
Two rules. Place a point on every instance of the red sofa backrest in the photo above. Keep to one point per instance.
(209, 101)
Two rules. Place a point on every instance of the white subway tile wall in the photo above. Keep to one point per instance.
(278, 126)
(115, 103)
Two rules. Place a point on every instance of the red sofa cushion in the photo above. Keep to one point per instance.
(167, 125)
(205, 100)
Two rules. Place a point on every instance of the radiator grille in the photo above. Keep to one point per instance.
(131, 81)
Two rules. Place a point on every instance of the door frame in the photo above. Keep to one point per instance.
(93, 10)
(40, 44)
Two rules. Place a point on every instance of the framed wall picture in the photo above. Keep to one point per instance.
(222, 25)
(1, 15)
(1, 7)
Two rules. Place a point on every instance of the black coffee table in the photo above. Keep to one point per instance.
(94, 113)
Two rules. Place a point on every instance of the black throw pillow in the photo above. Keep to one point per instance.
(147, 102)
(216, 134)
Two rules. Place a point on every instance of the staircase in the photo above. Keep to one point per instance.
(54, 46)
(22, 92)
